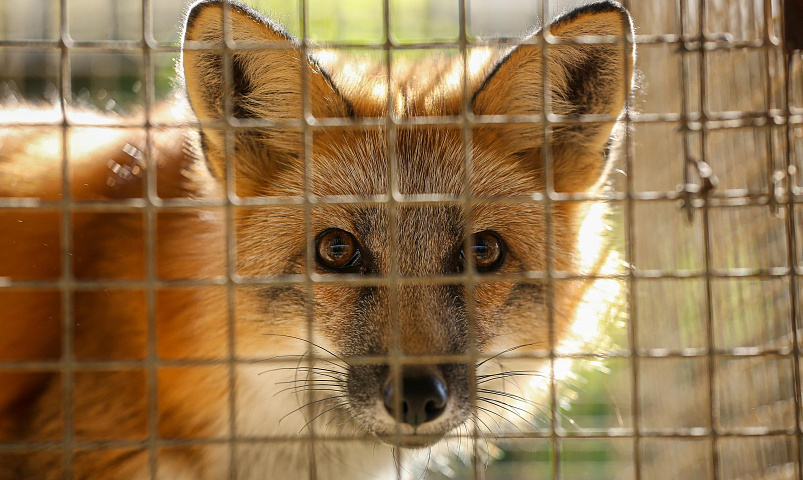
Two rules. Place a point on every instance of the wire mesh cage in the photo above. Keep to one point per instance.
(386, 239)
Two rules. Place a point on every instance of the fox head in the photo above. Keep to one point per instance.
(250, 83)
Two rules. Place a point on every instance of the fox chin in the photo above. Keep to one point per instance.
(390, 340)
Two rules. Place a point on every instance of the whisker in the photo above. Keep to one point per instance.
(270, 359)
(311, 343)
(504, 403)
(534, 373)
(312, 380)
(467, 437)
(504, 375)
(322, 413)
(310, 403)
(309, 369)
(477, 430)
(429, 459)
(511, 395)
(539, 407)
(346, 422)
(300, 356)
(500, 416)
(506, 351)
(344, 412)
(510, 408)
(485, 437)
(396, 462)
(310, 389)
(487, 428)
(310, 385)
(306, 388)
(295, 376)
(498, 426)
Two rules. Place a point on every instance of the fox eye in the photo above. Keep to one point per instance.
(487, 251)
(337, 249)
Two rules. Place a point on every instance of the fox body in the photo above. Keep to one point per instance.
(201, 324)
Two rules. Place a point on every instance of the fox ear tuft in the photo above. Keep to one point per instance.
(263, 81)
(583, 79)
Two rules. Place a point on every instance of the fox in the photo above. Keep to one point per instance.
(299, 240)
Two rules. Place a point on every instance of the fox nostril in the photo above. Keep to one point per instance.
(424, 396)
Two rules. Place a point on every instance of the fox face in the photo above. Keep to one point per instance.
(427, 283)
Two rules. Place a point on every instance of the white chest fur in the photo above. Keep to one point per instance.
(277, 441)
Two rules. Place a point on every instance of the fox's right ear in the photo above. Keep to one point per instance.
(264, 81)
(586, 75)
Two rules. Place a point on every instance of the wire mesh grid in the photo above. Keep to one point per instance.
(728, 380)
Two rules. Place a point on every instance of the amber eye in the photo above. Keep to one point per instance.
(487, 251)
(338, 249)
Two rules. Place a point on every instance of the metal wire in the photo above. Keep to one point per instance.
(66, 286)
(696, 122)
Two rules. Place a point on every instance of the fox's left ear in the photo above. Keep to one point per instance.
(583, 78)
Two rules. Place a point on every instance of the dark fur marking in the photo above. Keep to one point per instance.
(240, 88)
(359, 340)
(349, 107)
(363, 221)
(586, 84)
(456, 224)
(204, 149)
(592, 8)
(606, 150)
(591, 90)
(490, 76)
(285, 294)
(586, 89)
(523, 294)
(456, 304)
(193, 13)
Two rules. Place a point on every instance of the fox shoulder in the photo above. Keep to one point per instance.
(105, 159)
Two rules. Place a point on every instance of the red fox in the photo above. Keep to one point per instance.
(214, 314)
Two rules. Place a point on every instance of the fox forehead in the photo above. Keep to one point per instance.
(427, 160)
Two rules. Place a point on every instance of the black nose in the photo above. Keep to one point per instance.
(423, 395)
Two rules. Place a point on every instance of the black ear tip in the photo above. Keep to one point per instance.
(614, 6)
(195, 9)
(604, 6)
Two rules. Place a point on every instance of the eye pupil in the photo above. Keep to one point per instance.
(487, 251)
(337, 249)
